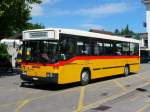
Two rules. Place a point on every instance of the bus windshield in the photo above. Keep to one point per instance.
(40, 51)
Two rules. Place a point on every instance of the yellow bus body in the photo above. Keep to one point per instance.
(70, 71)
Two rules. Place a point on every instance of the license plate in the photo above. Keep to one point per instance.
(34, 78)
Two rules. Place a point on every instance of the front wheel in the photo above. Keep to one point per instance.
(85, 77)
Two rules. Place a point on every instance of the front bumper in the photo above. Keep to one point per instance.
(34, 79)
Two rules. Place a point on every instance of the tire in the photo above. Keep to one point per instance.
(85, 77)
(126, 70)
(22, 84)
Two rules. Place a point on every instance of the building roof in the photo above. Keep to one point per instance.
(101, 31)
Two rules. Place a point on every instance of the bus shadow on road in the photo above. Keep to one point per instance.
(110, 78)
(51, 87)
(56, 87)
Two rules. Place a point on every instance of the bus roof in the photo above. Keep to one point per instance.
(88, 34)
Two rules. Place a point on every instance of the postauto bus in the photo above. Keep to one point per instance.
(64, 56)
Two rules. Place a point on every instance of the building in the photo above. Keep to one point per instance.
(146, 39)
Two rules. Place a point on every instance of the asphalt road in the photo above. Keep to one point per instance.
(113, 94)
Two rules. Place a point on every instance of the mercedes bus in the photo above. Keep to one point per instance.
(64, 56)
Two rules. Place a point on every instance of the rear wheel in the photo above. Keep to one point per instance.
(126, 70)
(85, 77)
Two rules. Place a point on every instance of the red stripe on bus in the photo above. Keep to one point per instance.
(62, 63)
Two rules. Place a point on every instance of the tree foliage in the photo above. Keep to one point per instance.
(3, 52)
(31, 26)
(14, 16)
(124, 31)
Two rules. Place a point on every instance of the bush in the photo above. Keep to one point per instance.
(4, 53)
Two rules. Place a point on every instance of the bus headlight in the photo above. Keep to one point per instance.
(24, 73)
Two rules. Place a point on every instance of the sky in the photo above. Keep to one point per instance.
(86, 14)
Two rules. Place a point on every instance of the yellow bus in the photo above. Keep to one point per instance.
(64, 56)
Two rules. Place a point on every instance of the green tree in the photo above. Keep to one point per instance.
(117, 32)
(3, 52)
(31, 26)
(127, 31)
(124, 31)
(14, 15)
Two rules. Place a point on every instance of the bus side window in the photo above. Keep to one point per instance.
(134, 49)
(118, 49)
(107, 49)
(71, 47)
(79, 47)
(126, 48)
(98, 48)
(86, 49)
(83, 48)
(67, 46)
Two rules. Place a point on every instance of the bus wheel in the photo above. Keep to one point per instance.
(85, 77)
(22, 84)
(126, 70)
